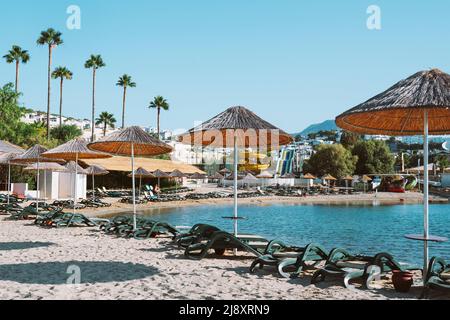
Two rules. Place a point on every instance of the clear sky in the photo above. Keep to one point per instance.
(293, 62)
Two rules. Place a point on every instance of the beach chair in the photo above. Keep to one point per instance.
(196, 234)
(152, 229)
(76, 220)
(438, 277)
(341, 263)
(150, 196)
(289, 261)
(221, 241)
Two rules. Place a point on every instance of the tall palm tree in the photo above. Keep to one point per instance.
(52, 39)
(159, 103)
(106, 119)
(94, 62)
(125, 81)
(61, 73)
(17, 55)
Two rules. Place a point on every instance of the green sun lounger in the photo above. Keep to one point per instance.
(341, 263)
(438, 277)
(220, 241)
(196, 234)
(290, 261)
(152, 229)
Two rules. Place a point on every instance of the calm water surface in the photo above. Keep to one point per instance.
(359, 228)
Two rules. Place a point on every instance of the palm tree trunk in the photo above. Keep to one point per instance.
(123, 106)
(104, 129)
(93, 104)
(157, 126)
(60, 101)
(49, 89)
(17, 76)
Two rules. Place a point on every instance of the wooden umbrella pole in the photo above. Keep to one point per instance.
(37, 186)
(93, 187)
(9, 180)
(425, 195)
(133, 188)
(235, 187)
(75, 184)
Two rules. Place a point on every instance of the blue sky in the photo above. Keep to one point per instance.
(293, 62)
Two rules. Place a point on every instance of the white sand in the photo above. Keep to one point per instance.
(113, 268)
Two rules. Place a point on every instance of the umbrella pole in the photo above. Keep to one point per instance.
(140, 185)
(134, 191)
(93, 187)
(75, 183)
(45, 185)
(425, 195)
(235, 187)
(37, 186)
(9, 180)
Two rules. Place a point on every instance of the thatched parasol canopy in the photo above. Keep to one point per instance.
(7, 158)
(142, 173)
(250, 177)
(177, 174)
(96, 170)
(120, 142)
(7, 147)
(399, 110)
(34, 154)
(198, 176)
(47, 166)
(225, 171)
(288, 176)
(265, 175)
(74, 150)
(348, 178)
(160, 174)
(329, 177)
(366, 179)
(217, 176)
(309, 176)
(251, 131)
(73, 167)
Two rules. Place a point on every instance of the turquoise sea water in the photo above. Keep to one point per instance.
(364, 229)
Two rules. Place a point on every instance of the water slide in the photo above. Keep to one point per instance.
(285, 162)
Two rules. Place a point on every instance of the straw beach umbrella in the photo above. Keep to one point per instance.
(309, 176)
(95, 170)
(141, 173)
(177, 174)
(236, 127)
(74, 150)
(347, 179)
(132, 141)
(6, 159)
(160, 175)
(418, 105)
(34, 155)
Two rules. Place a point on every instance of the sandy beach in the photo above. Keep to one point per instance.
(37, 263)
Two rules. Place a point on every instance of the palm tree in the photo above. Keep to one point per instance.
(17, 55)
(125, 81)
(61, 73)
(94, 62)
(159, 103)
(52, 38)
(106, 119)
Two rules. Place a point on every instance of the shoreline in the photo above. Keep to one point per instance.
(332, 200)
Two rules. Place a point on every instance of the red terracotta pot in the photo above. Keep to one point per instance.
(402, 280)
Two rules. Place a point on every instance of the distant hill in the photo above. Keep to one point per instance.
(327, 125)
